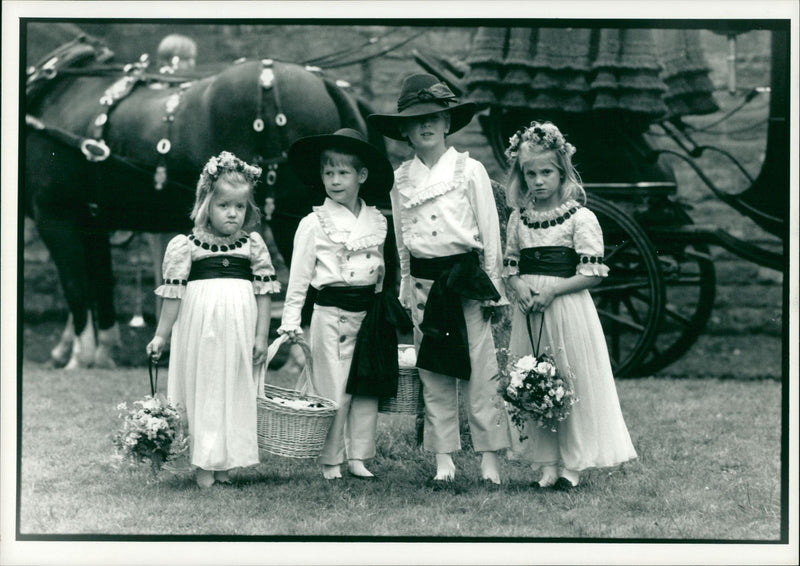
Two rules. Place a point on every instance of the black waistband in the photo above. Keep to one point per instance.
(559, 261)
(353, 299)
(221, 266)
(431, 268)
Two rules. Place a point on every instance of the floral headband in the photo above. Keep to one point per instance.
(226, 161)
(543, 136)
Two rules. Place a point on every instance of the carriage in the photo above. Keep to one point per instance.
(661, 290)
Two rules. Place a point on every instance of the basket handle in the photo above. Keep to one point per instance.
(304, 381)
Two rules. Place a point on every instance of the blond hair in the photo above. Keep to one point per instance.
(538, 138)
(229, 168)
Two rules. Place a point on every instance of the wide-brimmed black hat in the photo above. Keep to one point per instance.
(423, 94)
(304, 159)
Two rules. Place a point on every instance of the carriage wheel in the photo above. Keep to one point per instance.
(690, 286)
(630, 301)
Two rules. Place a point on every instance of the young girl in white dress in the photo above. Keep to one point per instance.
(216, 291)
(338, 255)
(554, 255)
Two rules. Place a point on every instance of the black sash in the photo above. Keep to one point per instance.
(373, 369)
(559, 261)
(221, 266)
(445, 346)
(352, 299)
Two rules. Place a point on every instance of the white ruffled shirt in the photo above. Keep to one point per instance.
(579, 230)
(333, 247)
(182, 251)
(443, 210)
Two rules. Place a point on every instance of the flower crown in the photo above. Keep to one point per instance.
(543, 136)
(226, 161)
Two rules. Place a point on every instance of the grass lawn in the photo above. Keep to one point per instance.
(708, 469)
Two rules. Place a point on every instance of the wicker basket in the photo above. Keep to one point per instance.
(291, 431)
(408, 400)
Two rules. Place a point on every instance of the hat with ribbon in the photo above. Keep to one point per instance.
(304, 157)
(423, 94)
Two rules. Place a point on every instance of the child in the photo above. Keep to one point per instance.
(448, 239)
(554, 254)
(338, 251)
(217, 283)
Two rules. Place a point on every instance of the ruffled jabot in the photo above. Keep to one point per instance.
(417, 184)
(368, 230)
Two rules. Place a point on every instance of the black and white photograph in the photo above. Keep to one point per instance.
(399, 283)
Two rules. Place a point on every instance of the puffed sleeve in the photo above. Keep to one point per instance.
(264, 281)
(175, 268)
(304, 258)
(511, 257)
(588, 241)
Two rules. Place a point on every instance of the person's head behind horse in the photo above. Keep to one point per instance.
(177, 53)
(228, 169)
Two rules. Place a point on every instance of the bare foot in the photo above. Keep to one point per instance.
(489, 469)
(331, 472)
(222, 476)
(204, 478)
(357, 468)
(445, 468)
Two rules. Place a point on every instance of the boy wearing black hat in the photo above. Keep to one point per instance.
(448, 239)
(338, 250)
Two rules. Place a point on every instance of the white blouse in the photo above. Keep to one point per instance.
(182, 250)
(333, 247)
(443, 210)
(570, 225)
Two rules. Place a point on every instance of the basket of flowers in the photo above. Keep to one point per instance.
(409, 388)
(292, 422)
(153, 431)
(536, 390)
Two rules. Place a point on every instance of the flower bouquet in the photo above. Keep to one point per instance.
(153, 432)
(535, 389)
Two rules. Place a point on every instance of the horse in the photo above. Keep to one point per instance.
(113, 147)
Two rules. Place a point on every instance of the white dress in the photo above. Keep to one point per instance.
(211, 352)
(594, 435)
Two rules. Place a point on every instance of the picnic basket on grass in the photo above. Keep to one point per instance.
(292, 422)
(408, 400)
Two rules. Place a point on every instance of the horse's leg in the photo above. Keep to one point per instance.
(61, 352)
(101, 281)
(66, 247)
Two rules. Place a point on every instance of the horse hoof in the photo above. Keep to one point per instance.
(60, 355)
(76, 362)
(103, 360)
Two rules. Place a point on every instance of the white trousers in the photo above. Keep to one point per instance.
(332, 338)
(486, 413)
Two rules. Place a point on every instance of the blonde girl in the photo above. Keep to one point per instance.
(554, 255)
(216, 291)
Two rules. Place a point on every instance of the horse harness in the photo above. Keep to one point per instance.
(93, 145)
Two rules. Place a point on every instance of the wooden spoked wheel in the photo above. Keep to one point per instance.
(630, 301)
(689, 277)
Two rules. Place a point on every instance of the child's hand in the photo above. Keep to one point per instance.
(543, 299)
(259, 352)
(525, 294)
(155, 347)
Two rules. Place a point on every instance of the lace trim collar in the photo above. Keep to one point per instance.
(444, 176)
(535, 219)
(369, 229)
(206, 240)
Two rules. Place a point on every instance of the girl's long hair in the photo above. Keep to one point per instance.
(229, 168)
(541, 137)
